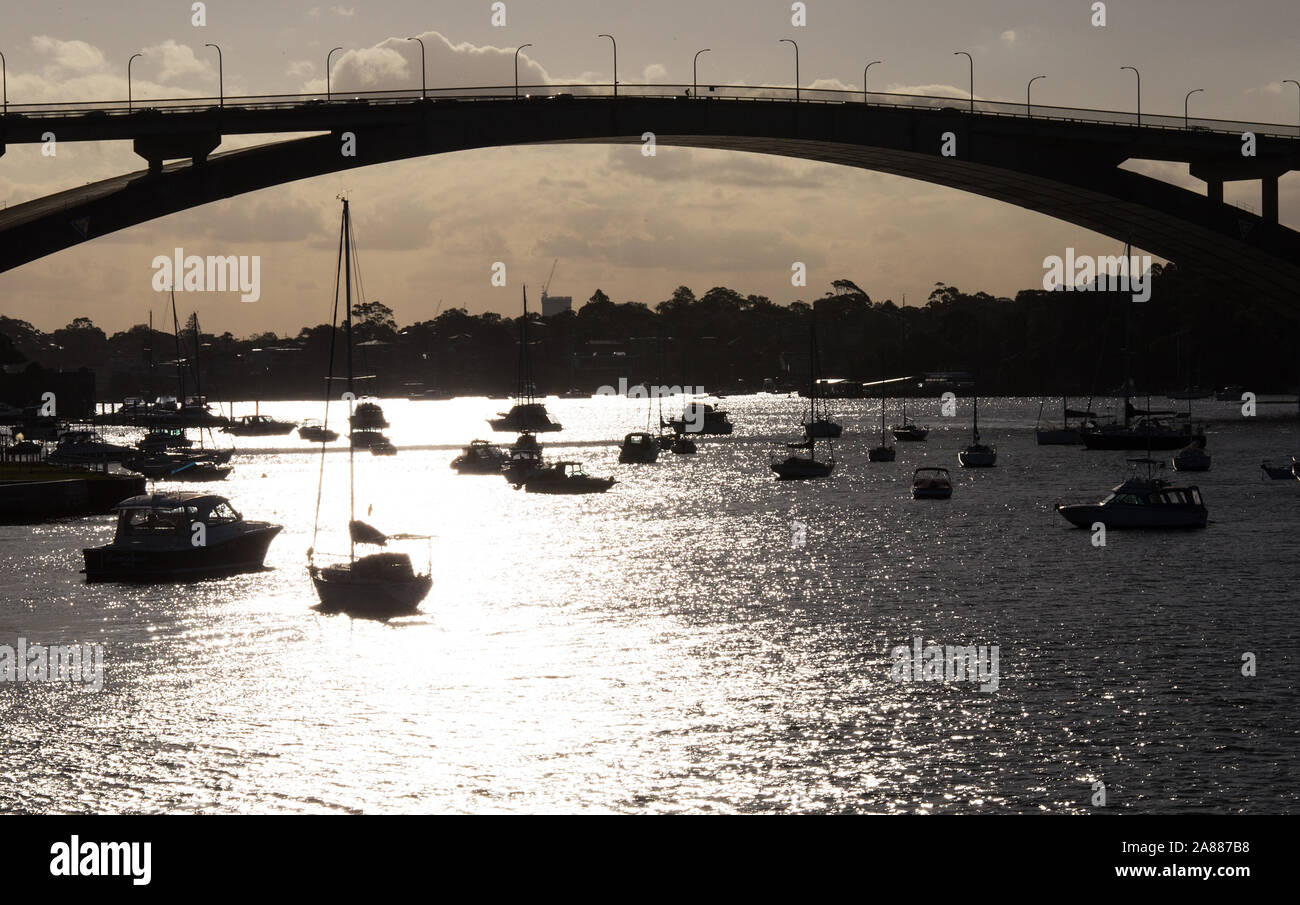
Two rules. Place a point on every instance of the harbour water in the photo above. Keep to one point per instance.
(701, 638)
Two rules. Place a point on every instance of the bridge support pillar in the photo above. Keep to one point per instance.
(1268, 197)
(1214, 190)
(158, 149)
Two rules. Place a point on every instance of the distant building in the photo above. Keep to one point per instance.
(556, 304)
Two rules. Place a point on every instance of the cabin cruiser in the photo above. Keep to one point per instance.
(527, 416)
(177, 537)
(368, 416)
(525, 458)
(182, 467)
(931, 484)
(160, 439)
(1192, 457)
(88, 448)
(700, 418)
(481, 457)
(315, 432)
(565, 477)
(258, 426)
(1142, 502)
(638, 447)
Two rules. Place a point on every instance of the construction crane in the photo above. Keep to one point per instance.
(547, 285)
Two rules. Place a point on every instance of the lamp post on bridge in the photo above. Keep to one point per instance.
(423, 84)
(327, 71)
(864, 79)
(796, 65)
(962, 53)
(521, 47)
(128, 79)
(615, 43)
(4, 80)
(1139, 78)
(221, 79)
(1186, 100)
(695, 72)
(1297, 85)
(1029, 109)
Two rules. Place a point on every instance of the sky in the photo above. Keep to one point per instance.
(429, 230)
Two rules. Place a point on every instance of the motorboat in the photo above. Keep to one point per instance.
(368, 415)
(180, 467)
(258, 426)
(931, 484)
(383, 447)
(682, 445)
(313, 431)
(177, 537)
(82, 447)
(160, 439)
(700, 418)
(525, 458)
(1141, 502)
(638, 447)
(565, 477)
(1192, 457)
(481, 457)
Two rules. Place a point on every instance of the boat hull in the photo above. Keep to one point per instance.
(971, 459)
(243, 553)
(1133, 440)
(1134, 517)
(931, 493)
(375, 598)
(796, 469)
(568, 485)
(910, 434)
(882, 454)
(823, 430)
(1058, 437)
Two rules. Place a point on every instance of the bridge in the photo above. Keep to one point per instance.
(1066, 163)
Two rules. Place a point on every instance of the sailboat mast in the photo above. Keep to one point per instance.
(180, 367)
(525, 389)
(152, 396)
(347, 332)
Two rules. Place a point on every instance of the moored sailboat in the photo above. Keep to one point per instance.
(374, 585)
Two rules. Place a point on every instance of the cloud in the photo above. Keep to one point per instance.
(298, 69)
(347, 12)
(1009, 37)
(77, 56)
(177, 61)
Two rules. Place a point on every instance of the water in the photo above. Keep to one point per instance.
(667, 647)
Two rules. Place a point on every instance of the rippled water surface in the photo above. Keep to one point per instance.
(668, 647)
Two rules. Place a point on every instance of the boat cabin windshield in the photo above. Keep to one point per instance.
(156, 522)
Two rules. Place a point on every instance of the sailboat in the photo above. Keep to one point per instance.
(640, 447)
(796, 467)
(885, 452)
(527, 414)
(909, 431)
(374, 585)
(1065, 435)
(977, 454)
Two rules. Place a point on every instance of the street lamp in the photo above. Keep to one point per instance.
(1139, 78)
(796, 66)
(128, 80)
(4, 80)
(962, 53)
(864, 79)
(1185, 101)
(615, 43)
(695, 72)
(1029, 110)
(423, 83)
(221, 81)
(1297, 84)
(521, 47)
(327, 71)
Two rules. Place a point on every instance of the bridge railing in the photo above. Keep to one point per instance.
(704, 92)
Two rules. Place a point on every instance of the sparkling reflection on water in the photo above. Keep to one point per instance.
(665, 647)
